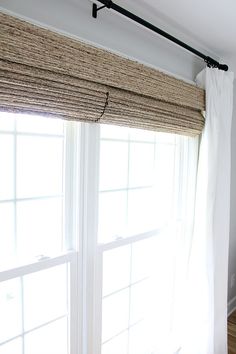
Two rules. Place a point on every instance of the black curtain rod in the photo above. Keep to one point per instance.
(212, 63)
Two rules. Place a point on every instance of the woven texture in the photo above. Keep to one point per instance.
(232, 333)
(47, 73)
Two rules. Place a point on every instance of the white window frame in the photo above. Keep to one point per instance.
(91, 249)
(71, 241)
(88, 216)
(84, 254)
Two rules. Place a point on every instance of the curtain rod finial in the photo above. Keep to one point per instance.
(223, 67)
(212, 63)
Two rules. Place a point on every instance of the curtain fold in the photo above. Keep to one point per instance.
(205, 321)
(44, 72)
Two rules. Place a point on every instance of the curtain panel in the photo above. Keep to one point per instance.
(44, 72)
(205, 297)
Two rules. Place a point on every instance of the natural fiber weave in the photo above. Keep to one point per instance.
(232, 333)
(45, 72)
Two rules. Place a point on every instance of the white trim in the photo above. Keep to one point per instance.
(74, 309)
(33, 267)
(231, 305)
(125, 189)
(98, 285)
(71, 186)
(88, 214)
(71, 228)
(80, 232)
(128, 240)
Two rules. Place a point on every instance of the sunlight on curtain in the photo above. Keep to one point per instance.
(205, 328)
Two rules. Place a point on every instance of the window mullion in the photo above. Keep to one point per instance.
(89, 214)
(71, 179)
(22, 314)
(74, 326)
(15, 191)
(71, 240)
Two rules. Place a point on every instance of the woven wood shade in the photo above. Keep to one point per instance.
(47, 73)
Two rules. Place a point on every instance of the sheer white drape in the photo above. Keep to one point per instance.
(205, 324)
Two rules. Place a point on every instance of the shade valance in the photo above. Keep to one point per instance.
(48, 73)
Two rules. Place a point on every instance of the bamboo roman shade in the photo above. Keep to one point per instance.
(48, 73)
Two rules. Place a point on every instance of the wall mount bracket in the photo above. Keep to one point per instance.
(95, 8)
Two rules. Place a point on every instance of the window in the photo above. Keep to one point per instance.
(89, 220)
(141, 218)
(36, 268)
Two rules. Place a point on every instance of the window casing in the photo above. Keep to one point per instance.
(125, 201)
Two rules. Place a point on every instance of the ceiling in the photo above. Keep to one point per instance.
(209, 22)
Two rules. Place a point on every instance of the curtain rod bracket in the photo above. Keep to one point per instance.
(95, 8)
(212, 63)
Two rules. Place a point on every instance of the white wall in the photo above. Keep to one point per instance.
(120, 35)
(109, 30)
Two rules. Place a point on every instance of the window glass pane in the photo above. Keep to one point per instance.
(116, 269)
(117, 345)
(39, 166)
(139, 301)
(13, 347)
(147, 169)
(6, 166)
(149, 278)
(145, 254)
(7, 121)
(38, 124)
(45, 296)
(165, 180)
(31, 166)
(141, 164)
(113, 165)
(166, 138)
(10, 309)
(142, 215)
(114, 132)
(141, 135)
(115, 314)
(50, 339)
(6, 233)
(39, 227)
(112, 215)
(139, 342)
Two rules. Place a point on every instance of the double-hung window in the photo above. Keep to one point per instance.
(38, 270)
(145, 190)
(90, 220)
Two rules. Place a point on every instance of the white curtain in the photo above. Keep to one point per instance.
(205, 320)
